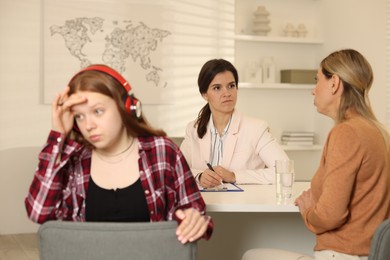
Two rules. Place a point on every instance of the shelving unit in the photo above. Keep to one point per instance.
(315, 147)
(277, 39)
(286, 107)
(283, 86)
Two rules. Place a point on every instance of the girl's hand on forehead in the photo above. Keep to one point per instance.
(62, 116)
(74, 99)
(65, 101)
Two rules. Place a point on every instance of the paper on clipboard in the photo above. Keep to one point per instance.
(226, 187)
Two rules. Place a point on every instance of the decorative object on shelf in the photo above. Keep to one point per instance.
(302, 31)
(269, 70)
(298, 138)
(295, 76)
(289, 30)
(261, 21)
(253, 73)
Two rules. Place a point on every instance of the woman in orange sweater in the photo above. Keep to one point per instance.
(350, 192)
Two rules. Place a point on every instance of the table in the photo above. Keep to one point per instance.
(254, 218)
(254, 198)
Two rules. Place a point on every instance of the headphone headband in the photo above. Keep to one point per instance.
(113, 73)
(132, 104)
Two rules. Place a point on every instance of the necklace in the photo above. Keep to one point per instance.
(116, 158)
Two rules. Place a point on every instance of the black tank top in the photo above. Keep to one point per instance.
(121, 205)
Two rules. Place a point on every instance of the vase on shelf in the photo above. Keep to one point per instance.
(261, 21)
(269, 70)
(253, 73)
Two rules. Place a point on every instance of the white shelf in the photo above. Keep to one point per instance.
(315, 147)
(287, 86)
(276, 39)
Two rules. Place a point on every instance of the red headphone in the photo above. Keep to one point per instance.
(132, 104)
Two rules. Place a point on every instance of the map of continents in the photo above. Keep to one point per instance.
(137, 42)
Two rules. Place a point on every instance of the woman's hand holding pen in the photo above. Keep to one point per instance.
(214, 176)
(210, 179)
(227, 176)
(62, 116)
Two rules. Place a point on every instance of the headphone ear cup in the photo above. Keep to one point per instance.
(136, 107)
(127, 101)
(132, 105)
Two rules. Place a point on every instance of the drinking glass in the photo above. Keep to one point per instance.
(284, 170)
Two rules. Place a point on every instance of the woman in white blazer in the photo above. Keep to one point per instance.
(237, 148)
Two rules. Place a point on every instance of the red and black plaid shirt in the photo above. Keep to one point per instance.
(60, 183)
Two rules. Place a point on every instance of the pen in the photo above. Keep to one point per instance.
(212, 169)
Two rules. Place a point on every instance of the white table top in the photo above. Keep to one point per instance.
(254, 198)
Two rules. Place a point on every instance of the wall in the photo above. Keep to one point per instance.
(360, 25)
(293, 110)
(24, 122)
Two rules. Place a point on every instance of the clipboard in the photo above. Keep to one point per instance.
(226, 187)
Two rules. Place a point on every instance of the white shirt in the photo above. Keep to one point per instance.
(216, 144)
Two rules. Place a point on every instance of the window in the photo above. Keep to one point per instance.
(201, 30)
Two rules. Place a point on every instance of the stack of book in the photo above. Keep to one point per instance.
(298, 138)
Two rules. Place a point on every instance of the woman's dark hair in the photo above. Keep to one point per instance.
(100, 82)
(207, 73)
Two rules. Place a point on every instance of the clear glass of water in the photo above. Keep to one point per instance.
(285, 175)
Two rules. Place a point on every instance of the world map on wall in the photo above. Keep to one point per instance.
(122, 42)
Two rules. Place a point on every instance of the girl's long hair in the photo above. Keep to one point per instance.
(100, 82)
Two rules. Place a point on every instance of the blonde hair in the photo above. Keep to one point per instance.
(356, 75)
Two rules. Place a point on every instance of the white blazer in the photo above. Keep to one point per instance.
(249, 150)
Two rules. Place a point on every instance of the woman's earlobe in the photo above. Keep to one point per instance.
(332, 89)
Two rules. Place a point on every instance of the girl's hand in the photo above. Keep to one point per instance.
(62, 116)
(193, 225)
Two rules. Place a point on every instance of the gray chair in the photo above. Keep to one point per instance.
(380, 244)
(60, 240)
(177, 140)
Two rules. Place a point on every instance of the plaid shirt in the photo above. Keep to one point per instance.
(60, 183)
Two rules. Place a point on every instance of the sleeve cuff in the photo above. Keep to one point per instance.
(197, 177)
(55, 137)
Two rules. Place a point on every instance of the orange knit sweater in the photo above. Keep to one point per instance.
(350, 188)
